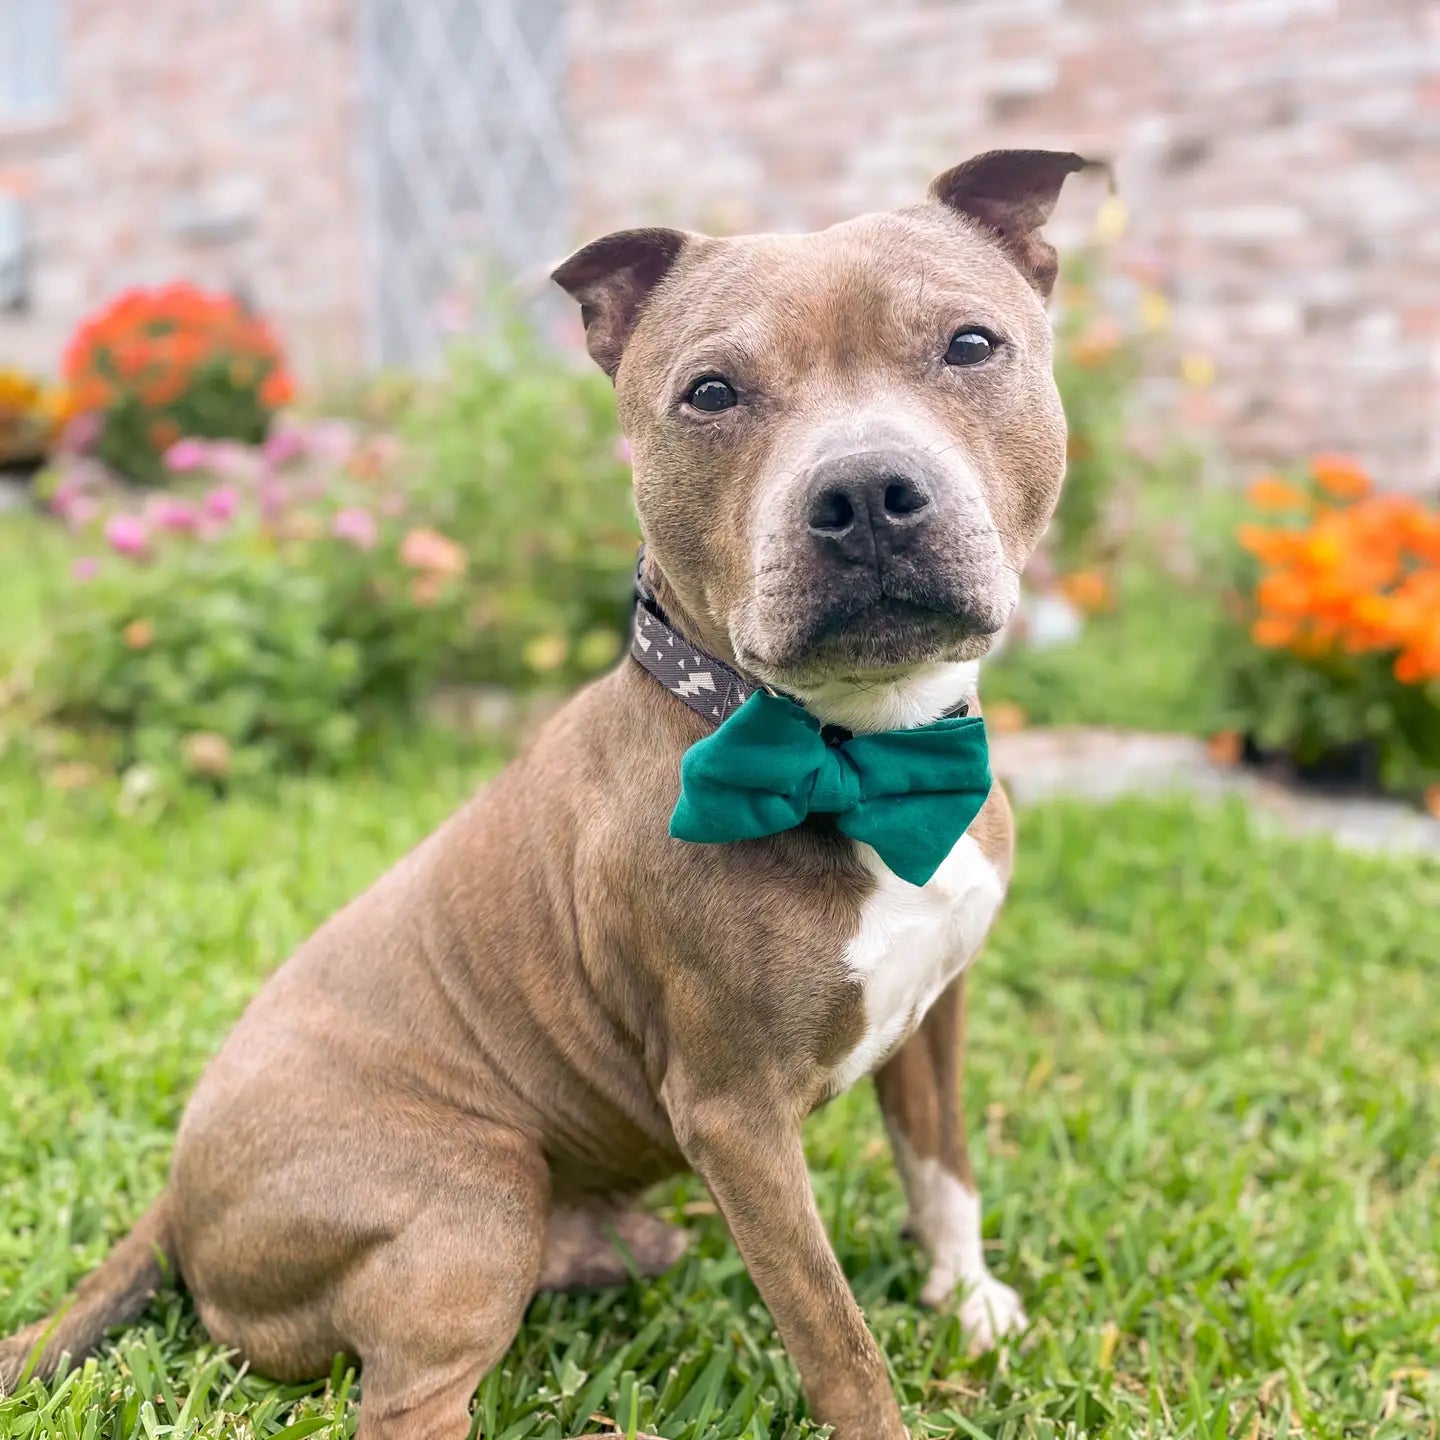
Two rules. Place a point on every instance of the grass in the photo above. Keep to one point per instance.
(1205, 1092)
(34, 554)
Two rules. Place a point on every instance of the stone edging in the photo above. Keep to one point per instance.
(1095, 764)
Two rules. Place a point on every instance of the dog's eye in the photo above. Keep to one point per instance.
(712, 395)
(969, 347)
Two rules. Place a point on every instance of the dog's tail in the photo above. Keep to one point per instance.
(112, 1295)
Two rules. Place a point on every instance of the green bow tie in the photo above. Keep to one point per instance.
(911, 794)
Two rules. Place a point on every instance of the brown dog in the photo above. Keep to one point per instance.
(846, 445)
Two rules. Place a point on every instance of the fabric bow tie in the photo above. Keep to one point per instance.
(911, 794)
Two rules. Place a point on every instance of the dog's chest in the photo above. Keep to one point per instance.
(912, 941)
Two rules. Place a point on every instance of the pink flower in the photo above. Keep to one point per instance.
(222, 502)
(80, 434)
(384, 450)
(65, 494)
(621, 450)
(332, 440)
(273, 497)
(87, 567)
(283, 446)
(176, 516)
(81, 511)
(429, 550)
(127, 535)
(232, 461)
(356, 526)
(186, 455)
(73, 499)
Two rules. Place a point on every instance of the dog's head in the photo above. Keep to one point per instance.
(846, 444)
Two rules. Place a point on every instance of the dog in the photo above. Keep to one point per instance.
(845, 446)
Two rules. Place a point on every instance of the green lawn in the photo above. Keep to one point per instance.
(1206, 1094)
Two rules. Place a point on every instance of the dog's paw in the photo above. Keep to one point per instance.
(990, 1311)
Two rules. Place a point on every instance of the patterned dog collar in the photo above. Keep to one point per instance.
(710, 687)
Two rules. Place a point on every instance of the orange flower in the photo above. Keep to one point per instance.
(1272, 546)
(1100, 340)
(1408, 668)
(425, 589)
(1359, 577)
(1271, 632)
(1323, 549)
(138, 634)
(1284, 592)
(1340, 476)
(175, 325)
(277, 389)
(132, 357)
(430, 551)
(1270, 492)
(1088, 590)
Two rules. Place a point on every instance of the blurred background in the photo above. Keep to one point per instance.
(336, 161)
(273, 303)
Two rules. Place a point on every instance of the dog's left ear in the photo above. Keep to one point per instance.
(1012, 193)
(612, 279)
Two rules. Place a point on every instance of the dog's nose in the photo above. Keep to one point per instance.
(860, 504)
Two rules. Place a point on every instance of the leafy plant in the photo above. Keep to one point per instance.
(267, 621)
(158, 365)
(1337, 643)
(517, 455)
(279, 603)
(1097, 362)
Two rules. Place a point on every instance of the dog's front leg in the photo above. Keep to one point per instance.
(753, 1162)
(922, 1097)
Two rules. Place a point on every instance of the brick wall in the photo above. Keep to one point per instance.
(1280, 160)
(197, 138)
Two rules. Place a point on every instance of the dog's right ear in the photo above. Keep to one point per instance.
(612, 278)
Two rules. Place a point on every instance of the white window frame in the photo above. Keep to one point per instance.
(32, 45)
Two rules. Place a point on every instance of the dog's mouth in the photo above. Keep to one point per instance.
(874, 636)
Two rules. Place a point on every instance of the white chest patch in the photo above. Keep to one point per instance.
(912, 942)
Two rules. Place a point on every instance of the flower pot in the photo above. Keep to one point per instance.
(1354, 767)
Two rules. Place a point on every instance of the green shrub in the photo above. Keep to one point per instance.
(281, 603)
(267, 623)
(1097, 362)
(517, 455)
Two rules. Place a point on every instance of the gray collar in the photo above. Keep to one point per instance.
(710, 687)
